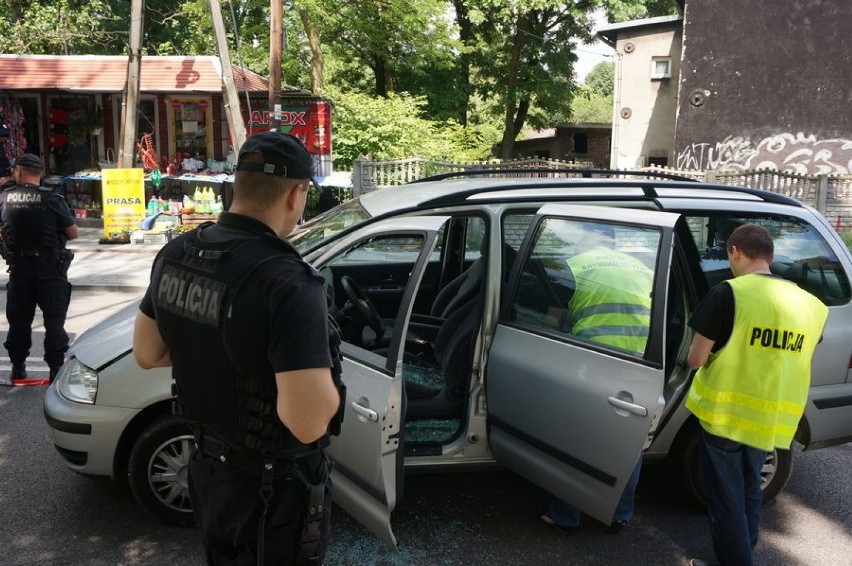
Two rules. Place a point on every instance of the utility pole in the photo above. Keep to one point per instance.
(275, 37)
(236, 124)
(130, 99)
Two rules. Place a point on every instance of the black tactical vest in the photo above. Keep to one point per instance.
(194, 286)
(30, 224)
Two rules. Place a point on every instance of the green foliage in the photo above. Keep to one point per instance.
(846, 235)
(594, 101)
(601, 79)
(595, 109)
(62, 27)
(395, 127)
(625, 10)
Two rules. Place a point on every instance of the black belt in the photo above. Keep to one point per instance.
(35, 253)
(249, 461)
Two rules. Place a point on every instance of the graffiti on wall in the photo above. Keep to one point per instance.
(785, 152)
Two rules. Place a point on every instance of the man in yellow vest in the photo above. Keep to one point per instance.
(610, 305)
(755, 337)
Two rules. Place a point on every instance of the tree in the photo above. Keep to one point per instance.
(523, 53)
(601, 79)
(394, 127)
(386, 37)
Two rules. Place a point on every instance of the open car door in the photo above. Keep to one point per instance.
(586, 308)
(367, 456)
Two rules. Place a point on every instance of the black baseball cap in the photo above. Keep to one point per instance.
(29, 161)
(283, 155)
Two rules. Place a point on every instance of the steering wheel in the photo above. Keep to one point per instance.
(363, 305)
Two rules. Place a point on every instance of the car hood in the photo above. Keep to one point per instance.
(107, 340)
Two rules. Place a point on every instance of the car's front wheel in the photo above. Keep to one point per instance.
(158, 470)
(773, 477)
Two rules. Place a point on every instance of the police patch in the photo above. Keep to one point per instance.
(191, 296)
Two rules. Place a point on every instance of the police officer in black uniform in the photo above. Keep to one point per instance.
(36, 223)
(242, 320)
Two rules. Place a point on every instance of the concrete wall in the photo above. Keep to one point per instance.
(766, 84)
(644, 107)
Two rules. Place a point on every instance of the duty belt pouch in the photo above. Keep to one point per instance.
(65, 259)
(310, 541)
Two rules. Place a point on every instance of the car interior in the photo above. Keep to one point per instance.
(438, 346)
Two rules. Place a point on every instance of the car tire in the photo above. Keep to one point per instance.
(158, 470)
(775, 474)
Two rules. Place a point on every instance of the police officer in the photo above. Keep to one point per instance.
(36, 223)
(242, 320)
(755, 337)
(610, 304)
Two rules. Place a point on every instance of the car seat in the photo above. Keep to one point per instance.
(438, 389)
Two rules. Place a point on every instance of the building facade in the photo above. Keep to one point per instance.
(647, 64)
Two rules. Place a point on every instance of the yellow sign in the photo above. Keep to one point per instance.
(124, 200)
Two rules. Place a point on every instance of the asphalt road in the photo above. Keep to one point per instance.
(52, 516)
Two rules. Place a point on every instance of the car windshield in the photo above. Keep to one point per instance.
(327, 225)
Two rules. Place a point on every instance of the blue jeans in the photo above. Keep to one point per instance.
(567, 516)
(730, 472)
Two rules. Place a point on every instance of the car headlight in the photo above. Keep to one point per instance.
(77, 382)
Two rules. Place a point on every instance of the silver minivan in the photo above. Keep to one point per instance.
(450, 294)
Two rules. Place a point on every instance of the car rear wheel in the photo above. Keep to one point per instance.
(774, 475)
(158, 470)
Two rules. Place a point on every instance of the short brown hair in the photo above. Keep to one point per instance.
(752, 240)
(260, 189)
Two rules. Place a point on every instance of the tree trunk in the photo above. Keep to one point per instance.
(317, 82)
(509, 131)
(383, 80)
(465, 36)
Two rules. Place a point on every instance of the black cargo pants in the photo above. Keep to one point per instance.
(37, 281)
(227, 507)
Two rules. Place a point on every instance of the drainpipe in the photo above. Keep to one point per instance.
(616, 116)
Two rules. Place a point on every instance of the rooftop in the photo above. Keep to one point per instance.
(108, 73)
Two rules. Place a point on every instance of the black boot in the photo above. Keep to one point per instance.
(19, 370)
(53, 372)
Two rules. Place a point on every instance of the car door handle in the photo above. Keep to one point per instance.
(363, 411)
(629, 407)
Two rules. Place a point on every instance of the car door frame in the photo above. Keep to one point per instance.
(367, 456)
(579, 470)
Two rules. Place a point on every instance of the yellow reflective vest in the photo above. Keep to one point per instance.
(611, 303)
(754, 389)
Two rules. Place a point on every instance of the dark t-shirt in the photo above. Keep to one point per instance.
(284, 325)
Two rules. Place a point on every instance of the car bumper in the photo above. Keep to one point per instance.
(86, 436)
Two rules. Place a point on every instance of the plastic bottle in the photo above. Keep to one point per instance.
(231, 159)
(152, 206)
(188, 205)
(199, 205)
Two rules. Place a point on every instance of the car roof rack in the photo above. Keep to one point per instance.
(556, 173)
(646, 184)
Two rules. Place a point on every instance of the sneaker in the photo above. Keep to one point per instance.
(616, 527)
(547, 519)
(699, 562)
(53, 372)
(19, 370)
